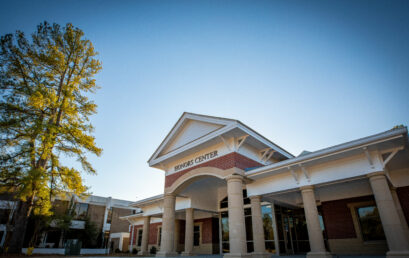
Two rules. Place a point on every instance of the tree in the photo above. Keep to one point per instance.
(45, 84)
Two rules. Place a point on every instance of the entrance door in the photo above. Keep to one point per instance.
(292, 231)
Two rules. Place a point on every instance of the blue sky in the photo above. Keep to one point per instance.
(305, 74)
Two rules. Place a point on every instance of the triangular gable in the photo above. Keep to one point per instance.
(189, 128)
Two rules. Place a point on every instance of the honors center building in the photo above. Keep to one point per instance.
(229, 190)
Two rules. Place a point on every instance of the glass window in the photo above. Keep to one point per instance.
(224, 203)
(160, 236)
(140, 231)
(4, 216)
(196, 235)
(267, 222)
(371, 226)
(225, 226)
(81, 211)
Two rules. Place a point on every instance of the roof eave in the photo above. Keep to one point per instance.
(359, 143)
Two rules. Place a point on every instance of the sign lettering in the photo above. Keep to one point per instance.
(196, 160)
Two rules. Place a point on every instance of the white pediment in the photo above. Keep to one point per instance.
(189, 132)
(189, 129)
(192, 130)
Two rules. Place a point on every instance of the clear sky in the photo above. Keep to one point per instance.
(305, 74)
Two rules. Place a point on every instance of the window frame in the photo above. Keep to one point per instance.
(199, 224)
(357, 224)
(159, 236)
(139, 235)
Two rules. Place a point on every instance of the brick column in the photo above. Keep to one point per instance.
(168, 226)
(237, 228)
(258, 229)
(313, 224)
(145, 236)
(189, 232)
(392, 226)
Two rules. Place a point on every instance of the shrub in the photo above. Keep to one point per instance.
(134, 251)
(153, 250)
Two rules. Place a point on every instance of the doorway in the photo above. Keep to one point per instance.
(292, 230)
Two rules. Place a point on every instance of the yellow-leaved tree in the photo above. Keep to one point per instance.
(45, 84)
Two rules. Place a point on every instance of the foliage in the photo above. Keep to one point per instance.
(398, 127)
(90, 234)
(153, 250)
(45, 83)
(134, 251)
(45, 111)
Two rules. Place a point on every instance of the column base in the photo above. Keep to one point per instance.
(261, 255)
(167, 254)
(187, 254)
(319, 255)
(144, 253)
(397, 254)
(237, 255)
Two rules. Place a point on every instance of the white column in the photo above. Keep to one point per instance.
(258, 229)
(313, 224)
(145, 236)
(189, 232)
(400, 212)
(168, 226)
(132, 233)
(392, 226)
(237, 228)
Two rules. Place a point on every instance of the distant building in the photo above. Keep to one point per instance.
(94, 213)
(229, 190)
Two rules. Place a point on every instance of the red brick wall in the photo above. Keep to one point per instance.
(153, 233)
(403, 194)
(227, 161)
(206, 230)
(338, 218)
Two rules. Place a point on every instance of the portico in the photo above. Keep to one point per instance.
(230, 191)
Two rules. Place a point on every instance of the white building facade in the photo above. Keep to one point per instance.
(229, 190)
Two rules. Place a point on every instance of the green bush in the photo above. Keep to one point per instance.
(134, 251)
(153, 250)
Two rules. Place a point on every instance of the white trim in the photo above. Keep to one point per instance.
(345, 147)
(227, 125)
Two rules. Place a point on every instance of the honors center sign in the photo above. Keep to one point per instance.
(196, 160)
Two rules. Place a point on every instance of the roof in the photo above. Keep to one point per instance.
(225, 125)
(401, 132)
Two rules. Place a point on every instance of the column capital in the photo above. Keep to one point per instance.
(255, 197)
(234, 177)
(306, 188)
(374, 175)
(169, 195)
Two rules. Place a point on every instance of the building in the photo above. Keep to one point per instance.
(93, 213)
(229, 190)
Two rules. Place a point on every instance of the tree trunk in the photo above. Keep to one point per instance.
(19, 229)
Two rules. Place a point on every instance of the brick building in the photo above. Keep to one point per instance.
(100, 215)
(229, 190)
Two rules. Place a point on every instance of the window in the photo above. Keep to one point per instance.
(159, 235)
(109, 217)
(370, 223)
(196, 235)
(80, 211)
(225, 202)
(140, 231)
(4, 216)
(267, 217)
